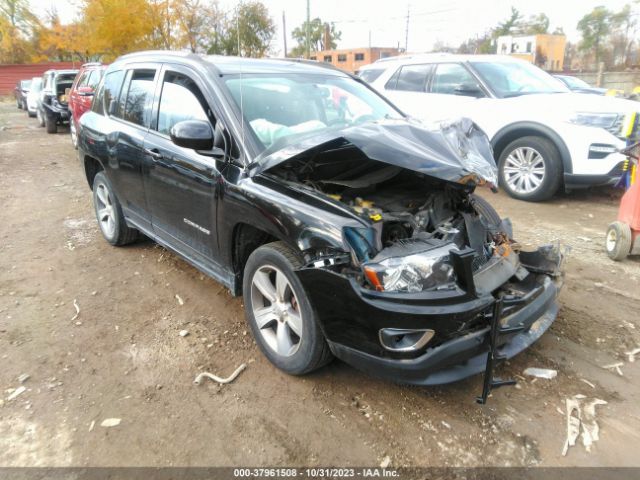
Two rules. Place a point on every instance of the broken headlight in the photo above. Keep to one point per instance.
(414, 272)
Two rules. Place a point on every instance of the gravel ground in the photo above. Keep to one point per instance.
(122, 355)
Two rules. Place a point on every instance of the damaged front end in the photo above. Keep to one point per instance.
(428, 284)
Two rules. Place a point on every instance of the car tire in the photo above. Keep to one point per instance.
(74, 133)
(24, 105)
(618, 241)
(40, 117)
(19, 104)
(111, 221)
(530, 169)
(31, 114)
(286, 331)
(52, 126)
(485, 209)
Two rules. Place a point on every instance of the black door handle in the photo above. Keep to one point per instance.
(153, 153)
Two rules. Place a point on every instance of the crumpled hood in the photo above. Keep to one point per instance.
(449, 151)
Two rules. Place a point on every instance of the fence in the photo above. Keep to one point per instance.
(626, 81)
(11, 74)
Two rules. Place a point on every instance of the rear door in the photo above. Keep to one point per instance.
(129, 117)
(180, 182)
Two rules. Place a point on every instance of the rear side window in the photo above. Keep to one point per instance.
(82, 81)
(111, 91)
(94, 79)
(370, 75)
(413, 78)
(180, 100)
(139, 92)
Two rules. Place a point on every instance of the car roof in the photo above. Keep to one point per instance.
(58, 72)
(439, 58)
(228, 65)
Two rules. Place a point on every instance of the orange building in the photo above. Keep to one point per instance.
(352, 59)
(545, 51)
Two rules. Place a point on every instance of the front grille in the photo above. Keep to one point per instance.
(479, 261)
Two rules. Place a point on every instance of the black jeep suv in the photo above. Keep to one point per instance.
(349, 229)
(53, 105)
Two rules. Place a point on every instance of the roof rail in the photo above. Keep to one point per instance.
(306, 61)
(92, 64)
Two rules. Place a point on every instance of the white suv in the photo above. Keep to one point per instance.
(543, 136)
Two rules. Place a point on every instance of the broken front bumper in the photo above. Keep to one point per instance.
(351, 320)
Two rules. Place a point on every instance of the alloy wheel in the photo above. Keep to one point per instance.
(276, 310)
(611, 240)
(105, 211)
(524, 170)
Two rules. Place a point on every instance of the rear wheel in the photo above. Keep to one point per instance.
(279, 313)
(74, 135)
(52, 126)
(618, 241)
(18, 103)
(530, 169)
(109, 213)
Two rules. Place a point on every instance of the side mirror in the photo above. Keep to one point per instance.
(85, 91)
(192, 134)
(469, 90)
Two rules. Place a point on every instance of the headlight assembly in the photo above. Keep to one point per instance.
(611, 122)
(414, 272)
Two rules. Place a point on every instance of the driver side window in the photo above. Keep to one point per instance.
(180, 100)
(449, 76)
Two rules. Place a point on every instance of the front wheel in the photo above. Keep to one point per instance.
(279, 313)
(40, 118)
(74, 134)
(530, 169)
(18, 103)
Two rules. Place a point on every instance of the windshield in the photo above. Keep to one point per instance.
(511, 79)
(574, 82)
(280, 106)
(370, 75)
(24, 84)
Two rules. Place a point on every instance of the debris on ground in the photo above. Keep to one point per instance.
(631, 356)
(215, 378)
(75, 304)
(581, 415)
(179, 298)
(110, 422)
(24, 377)
(541, 373)
(183, 333)
(386, 461)
(616, 367)
(18, 391)
(588, 382)
(93, 424)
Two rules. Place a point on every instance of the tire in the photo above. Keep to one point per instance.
(31, 114)
(544, 166)
(74, 133)
(618, 241)
(105, 203)
(52, 126)
(311, 351)
(24, 105)
(18, 104)
(40, 117)
(485, 209)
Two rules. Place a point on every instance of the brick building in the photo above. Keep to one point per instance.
(352, 59)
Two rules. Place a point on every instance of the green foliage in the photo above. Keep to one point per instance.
(594, 28)
(249, 31)
(317, 31)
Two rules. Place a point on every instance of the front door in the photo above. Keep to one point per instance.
(180, 182)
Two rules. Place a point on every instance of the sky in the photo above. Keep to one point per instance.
(430, 21)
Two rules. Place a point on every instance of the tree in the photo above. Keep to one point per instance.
(196, 19)
(594, 28)
(322, 36)
(536, 24)
(508, 26)
(624, 29)
(17, 25)
(249, 30)
(117, 26)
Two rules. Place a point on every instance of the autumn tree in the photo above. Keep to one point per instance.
(17, 25)
(322, 36)
(198, 22)
(534, 25)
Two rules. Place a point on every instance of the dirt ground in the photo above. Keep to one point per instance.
(123, 357)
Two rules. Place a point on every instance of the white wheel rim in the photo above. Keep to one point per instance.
(524, 170)
(276, 310)
(612, 239)
(105, 211)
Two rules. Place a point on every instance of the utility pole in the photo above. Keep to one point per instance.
(284, 33)
(406, 33)
(308, 40)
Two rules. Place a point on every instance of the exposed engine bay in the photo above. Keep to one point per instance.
(416, 220)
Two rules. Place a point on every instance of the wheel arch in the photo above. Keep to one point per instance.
(91, 168)
(517, 130)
